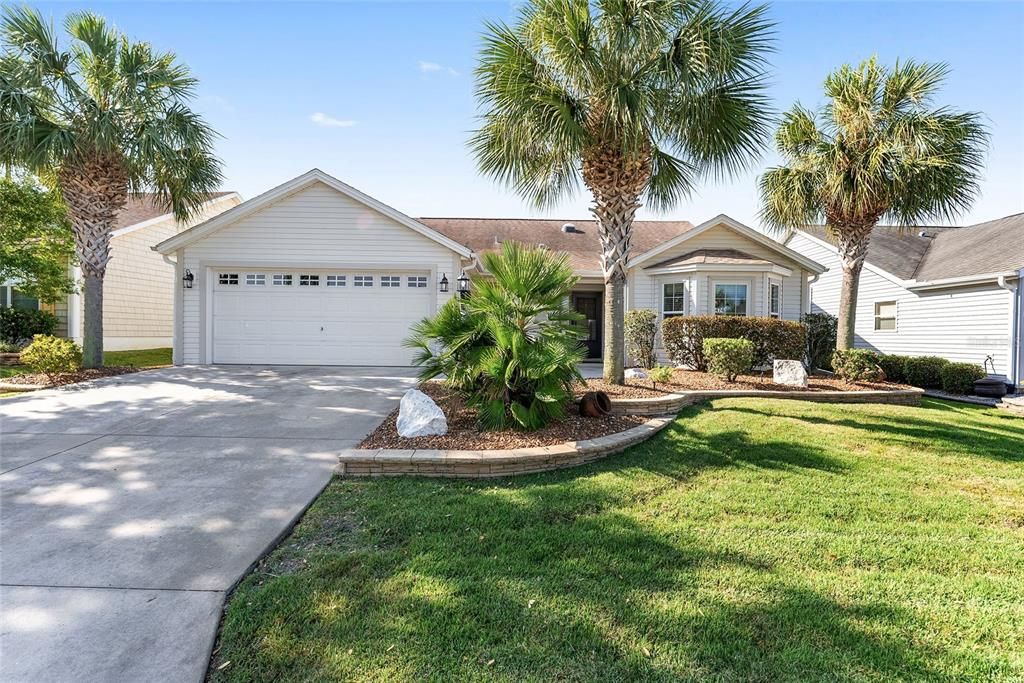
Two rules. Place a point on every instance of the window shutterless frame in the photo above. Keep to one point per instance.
(673, 299)
(730, 298)
(886, 314)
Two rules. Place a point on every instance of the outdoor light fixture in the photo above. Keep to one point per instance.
(188, 279)
(444, 283)
(463, 285)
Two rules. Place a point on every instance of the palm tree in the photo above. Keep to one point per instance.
(636, 98)
(102, 119)
(877, 150)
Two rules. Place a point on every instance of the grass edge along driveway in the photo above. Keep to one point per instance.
(751, 540)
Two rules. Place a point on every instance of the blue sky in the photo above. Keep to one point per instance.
(380, 94)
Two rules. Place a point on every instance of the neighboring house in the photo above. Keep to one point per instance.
(950, 292)
(316, 272)
(138, 296)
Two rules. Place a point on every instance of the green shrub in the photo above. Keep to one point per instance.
(894, 367)
(683, 337)
(857, 365)
(924, 371)
(52, 355)
(729, 357)
(512, 347)
(18, 325)
(641, 330)
(821, 339)
(660, 374)
(959, 378)
(9, 347)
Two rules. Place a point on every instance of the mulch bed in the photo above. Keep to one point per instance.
(463, 433)
(69, 377)
(691, 380)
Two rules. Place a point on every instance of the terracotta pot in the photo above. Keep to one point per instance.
(595, 404)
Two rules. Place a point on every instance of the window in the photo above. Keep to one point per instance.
(335, 280)
(12, 298)
(418, 281)
(673, 300)
(730, 299)
(774, 299)
(363, 280)
(309, 281)
(390, 281)
(885, 316)
(227, 278)
(258, 279)
(282, 280)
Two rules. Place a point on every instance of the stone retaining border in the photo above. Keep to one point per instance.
(359, 462)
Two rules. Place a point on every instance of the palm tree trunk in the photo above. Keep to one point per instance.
(852, 244)
(94, 192)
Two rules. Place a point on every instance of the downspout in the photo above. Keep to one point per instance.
(810, 281)
(1015, 326)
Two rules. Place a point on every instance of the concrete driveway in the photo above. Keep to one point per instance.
(129, 506)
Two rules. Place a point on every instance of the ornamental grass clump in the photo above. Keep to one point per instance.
(511, 348)
(728, 357)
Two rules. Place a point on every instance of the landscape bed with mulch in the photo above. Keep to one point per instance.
(691, 380)
(464, 434)
(47, 381)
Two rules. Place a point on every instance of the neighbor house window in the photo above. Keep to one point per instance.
(335, 280)
(885, 316)
(673, 300)
(12, 298)
(282, 280)
(730, 299)
(774, 299)
(309, 281)
(363, 280)
(390, 281)
(258, 279)
(418, 281)
(227, 278)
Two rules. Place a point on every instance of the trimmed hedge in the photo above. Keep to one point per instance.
(641, 330)
(18, 325)
(683, 338)
(959, 378)
(821, 339)
(857, 365)
(729, 357)
(52, 355)
(924, 371)
(894, 367)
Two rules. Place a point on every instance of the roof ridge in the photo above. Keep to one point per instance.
(569, 220)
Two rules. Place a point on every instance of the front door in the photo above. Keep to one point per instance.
(588, 304)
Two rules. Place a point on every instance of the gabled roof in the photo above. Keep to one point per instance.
(294, 185)
(725, 257)
(942, 253)
(144, 209)
(582, 244)
(734, 225)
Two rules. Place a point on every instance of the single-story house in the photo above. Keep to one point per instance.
(316, 272)
(942, 291)
(138, 294)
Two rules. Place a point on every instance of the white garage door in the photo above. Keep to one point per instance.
(318, 317)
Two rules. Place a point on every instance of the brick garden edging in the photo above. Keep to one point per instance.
(673, 403)
(357, 462)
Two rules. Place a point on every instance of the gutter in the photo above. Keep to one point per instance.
(961, 281)
(1015, 324)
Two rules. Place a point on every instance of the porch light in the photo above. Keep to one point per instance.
(463, 285)
(444, 283)
(188, 279)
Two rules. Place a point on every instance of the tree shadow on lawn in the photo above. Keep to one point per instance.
(972, 433)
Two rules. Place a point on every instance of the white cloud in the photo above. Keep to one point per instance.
(434, 67)
(322, 119)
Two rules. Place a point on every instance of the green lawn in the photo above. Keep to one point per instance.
(752, 540)
(146, 358)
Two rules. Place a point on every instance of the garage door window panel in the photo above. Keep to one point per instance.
(255, 279)
(282, 280)
(309, 280)
(363, 281)
(390, 281)
(335, 280)
(418, 281)
(227, 278)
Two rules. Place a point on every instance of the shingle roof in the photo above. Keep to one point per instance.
(895, 250)
(144, 207)
(990, 247)
(714, 256)
(582, 245)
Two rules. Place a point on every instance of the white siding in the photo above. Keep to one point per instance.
(317, 227)
(963, 324)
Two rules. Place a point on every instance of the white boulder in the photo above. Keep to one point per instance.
(790, 373)
(418, 415)
(635, 373)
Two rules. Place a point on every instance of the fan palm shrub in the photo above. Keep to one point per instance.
(512, 347)
(635, 99)
(101, 118)
(878, 149)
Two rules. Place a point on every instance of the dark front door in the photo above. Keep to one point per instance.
(589, 306)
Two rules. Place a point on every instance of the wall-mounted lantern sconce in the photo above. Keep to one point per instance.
(463, 285)
(188, 279)
(444, 283)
